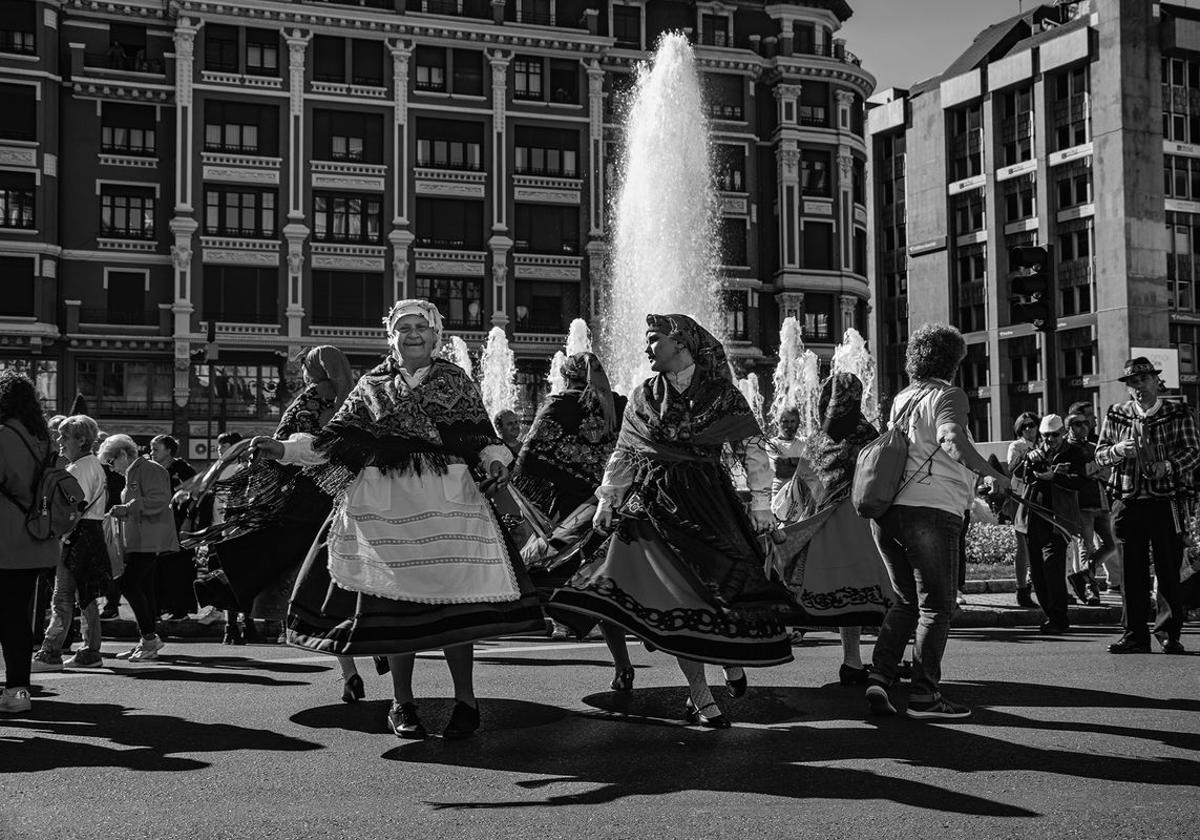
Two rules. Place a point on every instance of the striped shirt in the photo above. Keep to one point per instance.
(1166, 432)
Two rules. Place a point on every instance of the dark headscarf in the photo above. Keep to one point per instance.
(840, 406)
(844, 432)
(584, 369)
(707, 352)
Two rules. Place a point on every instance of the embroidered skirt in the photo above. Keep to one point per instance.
(832, 567)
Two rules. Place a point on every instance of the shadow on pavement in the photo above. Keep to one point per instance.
(139, 741)
(635, 745)
(544, 663)
(371, 717)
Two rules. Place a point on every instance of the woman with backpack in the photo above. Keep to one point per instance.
(84, 569)
(24, 451)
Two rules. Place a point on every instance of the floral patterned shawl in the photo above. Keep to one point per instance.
(833, 451)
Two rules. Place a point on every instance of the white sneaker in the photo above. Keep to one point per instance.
(128, 654)
(211, 615)
(147, 650)
(84, 659)
(14, 701)
(45, 663)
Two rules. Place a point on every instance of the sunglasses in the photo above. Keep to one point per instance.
(1052, 434)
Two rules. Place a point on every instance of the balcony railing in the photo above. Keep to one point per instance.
(240, 233)
(119, 317)
(431, 85)
(118, 407)
(17, 41)
(363, 238)
(369, 4)
(718, 111)
(124, 63)
(127, 233)
(569, 247)
(560, 172)
(234, 317)
(326, 320)
(367, 81)
(537, 18)
(235, 148)
(449, 244)
(463, 166)
(526, 94)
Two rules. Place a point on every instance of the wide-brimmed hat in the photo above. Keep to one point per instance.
(1051, 423)
(1136, 367)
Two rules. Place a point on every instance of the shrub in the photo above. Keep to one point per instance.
(991, 544)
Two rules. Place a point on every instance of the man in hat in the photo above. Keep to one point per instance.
(1152, 446)
(1054, 469)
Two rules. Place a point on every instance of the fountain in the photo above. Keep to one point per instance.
(852, 356)
(579, 340)
(454, 349)
(664, 248)
(753, 393)
(797, 379)
(498, 367)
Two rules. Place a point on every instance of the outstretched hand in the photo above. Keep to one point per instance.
(267, 448)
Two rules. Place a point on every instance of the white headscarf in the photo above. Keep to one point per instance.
(415, 306)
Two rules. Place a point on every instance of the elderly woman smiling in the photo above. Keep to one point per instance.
(414, 557)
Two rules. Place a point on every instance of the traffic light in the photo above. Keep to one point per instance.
(1030, 288)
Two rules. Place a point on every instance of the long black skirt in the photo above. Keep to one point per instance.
(323, 616)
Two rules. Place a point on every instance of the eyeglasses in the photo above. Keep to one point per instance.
(1052, 434)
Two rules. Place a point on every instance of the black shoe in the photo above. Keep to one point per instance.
(904, 670)
(1094, 601)
(737, 688)
(464, 721)
(233, 635)
(849, 675)
(623, 679)
(1078, 582)
(1024, 599)
(250, 632)
(692, 715)
(109, 611)
(1049, 628)
(381, 665)
(878, 701)
(353, 689)
(404, 722)
(1129, 646)
(1169, 645)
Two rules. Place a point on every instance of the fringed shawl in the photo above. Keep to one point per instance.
(386, 425)
(563, 457)
(306, 414)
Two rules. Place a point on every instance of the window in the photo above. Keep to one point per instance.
(527, 78)
(128, 129)
(726, 96)
(234, 211)
(1077, 189)
(128, 388)
(262, 52)
(969, 215)
(18, 192)
(460, 300)
(241, 295)
(546, 229)
(858, 180)
(536, 12)
(241, 127)
(18, 103)
(1183, 248)
(18, 25)
(237, 390)
(1073, 82)
(818, 316)
(804, 39)
(1020, 200)
(1071, 118)
(221, 48)
(970, 287)
(966, 141)
(468, 73)
(814, 104)
(1016, 127)
(714, 30)
(734, 305)
(347, 135)
(564, 81)
(347, 218)
(546, 307)
(347, 298)
(19, 299)
(814, 173)
(366, 62)
(860, 252)
(329, 59)
(627, 26)
(450, 144)
(126, 213)
(732, 232)
(431, 68)
(1074, 245)
(449, 223)
(731, 167)
(818, 246)
(546, 151)
(126, 296)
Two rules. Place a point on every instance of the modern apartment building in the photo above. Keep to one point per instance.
(1074, 125)
(284, 169)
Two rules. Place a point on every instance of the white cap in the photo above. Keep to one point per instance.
(1051, 423)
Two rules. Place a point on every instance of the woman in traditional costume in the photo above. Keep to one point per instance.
(685, 568)
(560, 465)
(413, 557)
(828, 559)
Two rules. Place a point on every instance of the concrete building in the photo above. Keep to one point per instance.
(1075, 125)
(284, 169)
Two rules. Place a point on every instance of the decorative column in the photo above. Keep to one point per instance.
(597, 257)
(845, 206)
(185, 57)
(787, 165)
(295, 231)
(182, 226)
(791, 304)
(500, 243)
(401, 240)
(595, 76)
(849, 306)
(401, 53)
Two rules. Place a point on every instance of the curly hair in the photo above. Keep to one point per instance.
(19, 401)
(934, 352)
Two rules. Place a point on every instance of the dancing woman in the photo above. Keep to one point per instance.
(829, 559)
(685, 568)
(558, 470)
(412, 557)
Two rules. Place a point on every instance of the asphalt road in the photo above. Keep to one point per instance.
(217, 742)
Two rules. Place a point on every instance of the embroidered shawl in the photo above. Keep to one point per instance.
(391, 427)
(833, 451)
(306, 414)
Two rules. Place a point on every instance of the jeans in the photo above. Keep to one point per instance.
(62, 611)
(1047, 550)
(1097, 523)
(920, 549)
(137, 585)
(1140, 525)
(16, 624)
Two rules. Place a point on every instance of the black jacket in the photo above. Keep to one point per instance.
(1069, 465)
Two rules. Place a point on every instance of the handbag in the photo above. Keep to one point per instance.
(114, 541)
(879, 470)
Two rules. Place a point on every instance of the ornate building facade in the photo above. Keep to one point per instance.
(275, 172)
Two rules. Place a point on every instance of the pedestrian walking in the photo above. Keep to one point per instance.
(1095, 522)
(1026, 430)
(1153, 449)
(684, 569)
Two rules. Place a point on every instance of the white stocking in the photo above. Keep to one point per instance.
(698, 686)
(348, 667)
